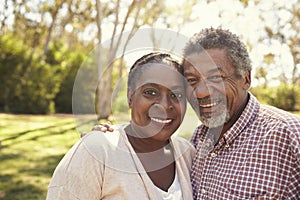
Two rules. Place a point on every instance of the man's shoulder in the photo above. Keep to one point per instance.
(271, 112)
(279, 119)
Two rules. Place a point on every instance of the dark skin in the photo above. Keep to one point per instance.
(163, 177)
(233, 87)
(234, 90)
(157, 108)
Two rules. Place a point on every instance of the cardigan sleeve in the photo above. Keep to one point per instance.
(78, 176)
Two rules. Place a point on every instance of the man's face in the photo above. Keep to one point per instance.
(217, 93)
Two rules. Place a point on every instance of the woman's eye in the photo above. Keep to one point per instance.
(177, 95)
(150, 92)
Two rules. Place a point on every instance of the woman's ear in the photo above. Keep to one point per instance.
(129, 97)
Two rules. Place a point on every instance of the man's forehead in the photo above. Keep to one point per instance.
(202, 62)
(202, 69)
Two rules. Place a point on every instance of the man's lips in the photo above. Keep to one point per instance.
(208, 105)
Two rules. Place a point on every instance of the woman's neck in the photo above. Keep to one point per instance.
(143, 145)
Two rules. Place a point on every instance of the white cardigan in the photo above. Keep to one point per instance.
(105, 166)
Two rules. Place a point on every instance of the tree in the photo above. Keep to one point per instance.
(135, 16)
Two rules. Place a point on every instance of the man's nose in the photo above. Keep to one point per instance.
(201, 90)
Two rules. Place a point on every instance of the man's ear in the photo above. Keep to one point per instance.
(247, 80)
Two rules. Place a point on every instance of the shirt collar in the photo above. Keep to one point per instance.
(248, 115)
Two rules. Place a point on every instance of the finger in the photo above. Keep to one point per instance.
(108, 126)
(110, 129)
(98, 127)
(103, 129)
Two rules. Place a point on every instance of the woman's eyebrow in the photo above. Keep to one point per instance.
(174, 87)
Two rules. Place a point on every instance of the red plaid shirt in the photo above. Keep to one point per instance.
(257, 158)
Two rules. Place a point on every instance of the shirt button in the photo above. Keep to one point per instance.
(203, 191)
(227, 146)
(213, 155)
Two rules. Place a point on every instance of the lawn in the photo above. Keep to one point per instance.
(32, 145)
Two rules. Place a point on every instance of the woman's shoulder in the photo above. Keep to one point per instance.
(97, 140)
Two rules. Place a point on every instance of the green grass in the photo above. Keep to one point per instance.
(31, 146)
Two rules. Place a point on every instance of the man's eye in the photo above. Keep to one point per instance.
(151, 92)
(191, 81)
(215, 78)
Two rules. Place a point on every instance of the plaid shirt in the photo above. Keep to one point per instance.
(257, 158)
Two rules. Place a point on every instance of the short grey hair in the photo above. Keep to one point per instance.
(155, 58)
(210, 38)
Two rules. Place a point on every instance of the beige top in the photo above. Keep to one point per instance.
(105, 166)
(174, 192)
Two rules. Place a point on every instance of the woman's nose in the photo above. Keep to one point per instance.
(166, 102)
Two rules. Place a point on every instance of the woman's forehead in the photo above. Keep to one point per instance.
(159, 74)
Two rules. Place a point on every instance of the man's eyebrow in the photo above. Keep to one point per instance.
(214, 70)
(188, 74)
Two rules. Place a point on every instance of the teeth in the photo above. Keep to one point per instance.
(163, 121)
(209, 105)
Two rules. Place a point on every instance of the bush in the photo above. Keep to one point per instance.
(283, 96)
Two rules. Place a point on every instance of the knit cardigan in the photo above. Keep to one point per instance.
(105, 166)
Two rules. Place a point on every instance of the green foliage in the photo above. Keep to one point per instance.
(283, 96)
(120, 103)
(72, 62)
(31, 80)
(26, 85)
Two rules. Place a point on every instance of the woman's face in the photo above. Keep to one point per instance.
(157, 102)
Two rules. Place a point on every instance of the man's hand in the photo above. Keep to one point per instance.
(100, 127)
(103, 127)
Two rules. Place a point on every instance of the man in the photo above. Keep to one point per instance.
(244, 150)
(254, 149)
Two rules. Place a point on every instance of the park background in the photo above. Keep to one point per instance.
(44, 43)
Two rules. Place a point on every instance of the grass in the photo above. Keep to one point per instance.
(31, 146)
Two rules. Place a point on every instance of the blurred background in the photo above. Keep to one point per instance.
(43, 44)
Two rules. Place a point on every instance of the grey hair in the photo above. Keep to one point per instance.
(210, 38)
(154, 57)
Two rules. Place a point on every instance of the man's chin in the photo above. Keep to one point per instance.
(214, 122)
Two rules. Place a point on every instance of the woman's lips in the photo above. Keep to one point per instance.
(161, 121)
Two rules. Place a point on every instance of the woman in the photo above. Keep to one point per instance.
(139, 160)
